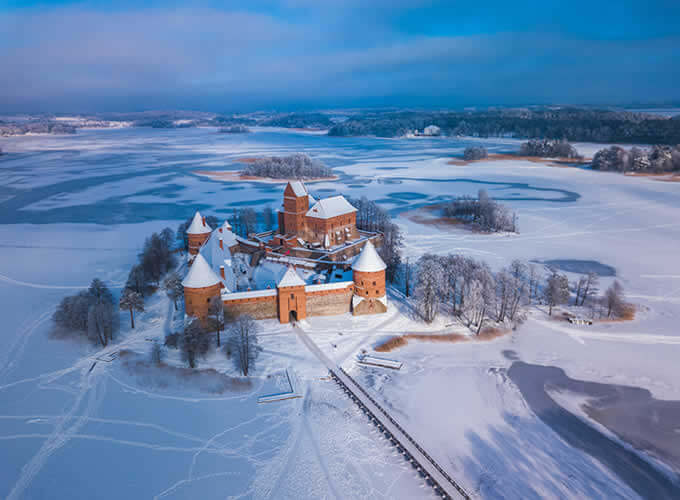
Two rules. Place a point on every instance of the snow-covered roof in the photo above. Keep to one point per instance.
(320, 287)
(311, 199)
(368, 261)
(226, 226)
(290, 278)
(200, 274)
(216, 256)
(331, 207)
(298, 188)
(248, 295)
(197, 226)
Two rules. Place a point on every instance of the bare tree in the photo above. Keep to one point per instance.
(533, 278)
(216, 315)
(556, 290)
(194, 342)
(173, 287)
(614, 300)
(590, 287)
(136, 279)
(429, 286)
(131, 301)
(242, 342)
(407, 278)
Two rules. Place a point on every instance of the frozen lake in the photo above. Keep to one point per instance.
(79, 206)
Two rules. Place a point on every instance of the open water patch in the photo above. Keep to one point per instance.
(629, 412)
(581, 266)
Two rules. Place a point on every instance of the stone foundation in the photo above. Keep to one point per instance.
(369, 306)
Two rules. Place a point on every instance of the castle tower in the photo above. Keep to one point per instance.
(368, 273)
(295, 206)
(291, 296)
(197, 232)
(200, 285)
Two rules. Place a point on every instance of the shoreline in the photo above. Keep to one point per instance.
(236, 176)
(553, 162)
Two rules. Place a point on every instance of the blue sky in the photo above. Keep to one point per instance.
(304, 54)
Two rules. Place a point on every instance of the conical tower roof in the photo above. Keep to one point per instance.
(369, 261)
(200, 274)
(197, 226)
(290, 278)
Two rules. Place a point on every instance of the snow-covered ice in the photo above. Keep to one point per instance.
(78, 207)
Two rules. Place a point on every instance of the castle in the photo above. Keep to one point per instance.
(323, 237)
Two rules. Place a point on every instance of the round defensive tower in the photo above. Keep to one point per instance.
(200, 285)
(197, 233)
(368, 274)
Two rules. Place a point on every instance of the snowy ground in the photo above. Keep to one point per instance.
(72, 208)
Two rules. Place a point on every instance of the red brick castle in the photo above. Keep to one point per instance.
(323, 237)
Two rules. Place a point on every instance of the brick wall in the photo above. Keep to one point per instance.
(257, 307)
(329, 302)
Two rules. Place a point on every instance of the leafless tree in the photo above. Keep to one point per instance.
(556, 290)
(614, 300)
(194, 342)
(172, 285)
(216, 315)
(242, 342)
(533, 278)
(429, 286)
(590, 285)
(131, 301)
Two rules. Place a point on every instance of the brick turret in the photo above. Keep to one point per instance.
(368, 273)
(197, 233)
(200, 285)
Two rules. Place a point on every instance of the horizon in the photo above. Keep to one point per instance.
(85, 57)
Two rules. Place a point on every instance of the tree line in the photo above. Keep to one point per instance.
(657, 159)
(472, 153)
(572, 124)
(484, 212)
(92, 313)
(546, 148)
(371, 217)
(467, 288)
(295, 166)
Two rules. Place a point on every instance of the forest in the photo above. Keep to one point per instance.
(295, 166)
(658, 159)
(572, 124)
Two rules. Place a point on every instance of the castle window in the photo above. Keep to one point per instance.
(374, 283)
(366, 292)
(292, 295)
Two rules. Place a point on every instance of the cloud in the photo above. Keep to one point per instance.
(72, 58)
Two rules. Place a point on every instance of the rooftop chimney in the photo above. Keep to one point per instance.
(220, 229)
(203, 220)
(221, 244)
(222, 271)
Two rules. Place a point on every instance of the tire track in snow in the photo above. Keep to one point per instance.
(16, 350)
(60, 435)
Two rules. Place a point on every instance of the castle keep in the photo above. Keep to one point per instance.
(323, 237)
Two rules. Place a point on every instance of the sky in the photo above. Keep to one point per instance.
(224, 56)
